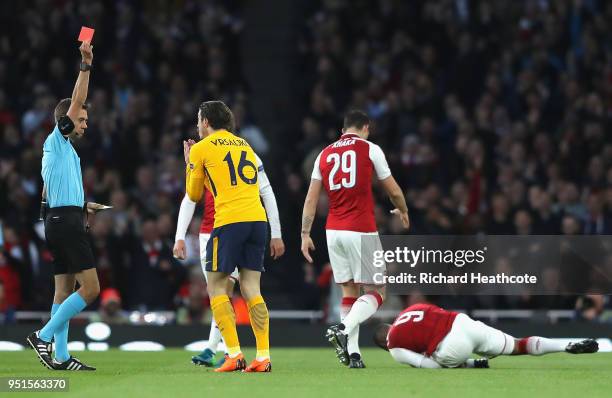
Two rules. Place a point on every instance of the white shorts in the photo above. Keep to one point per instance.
(203, 242)
(346, 257)
(468, 336)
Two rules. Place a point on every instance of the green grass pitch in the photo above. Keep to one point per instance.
(302, 372)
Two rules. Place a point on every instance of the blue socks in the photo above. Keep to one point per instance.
(69, 308)
(61, 338)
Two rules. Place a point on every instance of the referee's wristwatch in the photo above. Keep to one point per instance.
(84, 67)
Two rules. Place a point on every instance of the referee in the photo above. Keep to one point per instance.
(66, 237)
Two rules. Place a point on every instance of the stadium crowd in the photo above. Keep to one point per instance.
(152, 68)
(493, 116)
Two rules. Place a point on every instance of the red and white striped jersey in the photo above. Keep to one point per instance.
(345, 168)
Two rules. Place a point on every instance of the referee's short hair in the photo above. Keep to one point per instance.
(218, 114)
(356, 118)
(61, 109)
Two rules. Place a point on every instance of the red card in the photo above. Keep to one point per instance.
(86, 34)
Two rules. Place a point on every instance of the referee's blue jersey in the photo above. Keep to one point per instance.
(61, 172)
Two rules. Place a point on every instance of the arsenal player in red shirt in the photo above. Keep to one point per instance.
(345, 169)
(427, 336)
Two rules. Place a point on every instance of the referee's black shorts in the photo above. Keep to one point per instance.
(67, 240)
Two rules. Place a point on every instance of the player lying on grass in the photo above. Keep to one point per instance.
(427, 336)
(277, 246)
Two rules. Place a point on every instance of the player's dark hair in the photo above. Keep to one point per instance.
(380, 335)
(61, 109)
(355, 118)
(218, 114)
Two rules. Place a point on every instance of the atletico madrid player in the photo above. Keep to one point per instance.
(186, 211)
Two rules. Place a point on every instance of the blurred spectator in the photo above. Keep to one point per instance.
(7, 312)
(522, 223)
(144, 98)
(570, 225)
(155, 276)
(597, 222)
(10, 265)
(590, 307)
(196, 307)
(493, 118)
(546, 221)
(110, 308)
(499, 221)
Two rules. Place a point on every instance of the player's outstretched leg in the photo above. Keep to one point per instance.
(536, 345)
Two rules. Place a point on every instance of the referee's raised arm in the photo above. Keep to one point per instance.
(71, 121)
(65, 232)
(79, 94)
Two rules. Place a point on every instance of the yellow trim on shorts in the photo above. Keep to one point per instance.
(214, 256)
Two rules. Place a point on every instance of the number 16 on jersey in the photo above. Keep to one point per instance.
(250, 179)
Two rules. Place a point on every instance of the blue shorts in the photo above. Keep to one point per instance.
(239, 245)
